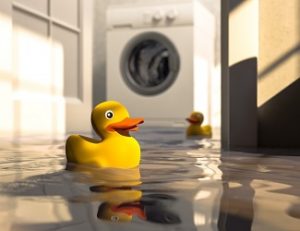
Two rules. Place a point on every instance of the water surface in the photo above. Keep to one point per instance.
(181, 185)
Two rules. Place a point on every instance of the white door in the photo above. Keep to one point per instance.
(45, 66)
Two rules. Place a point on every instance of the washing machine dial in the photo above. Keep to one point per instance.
(157, 16)
(171, 15)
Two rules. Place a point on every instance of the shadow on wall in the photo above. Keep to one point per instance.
(294, 51)
(243, 107)
(234, 3)
(279, 119)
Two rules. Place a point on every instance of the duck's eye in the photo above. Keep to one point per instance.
(109, 114)
(114, 218)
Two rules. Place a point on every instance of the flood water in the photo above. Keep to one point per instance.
(180, 185)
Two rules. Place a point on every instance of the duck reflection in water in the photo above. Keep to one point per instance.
(121, 199)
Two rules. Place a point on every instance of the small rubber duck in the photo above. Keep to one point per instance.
(195, 128)
(117, 149)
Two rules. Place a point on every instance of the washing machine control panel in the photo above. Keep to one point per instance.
(160, 15)
(171, 15)
(166, 16)
(157, 16)
(140, 16)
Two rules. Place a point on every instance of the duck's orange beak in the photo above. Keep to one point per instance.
(192, 120)
(128, 124)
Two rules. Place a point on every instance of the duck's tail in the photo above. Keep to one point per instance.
(207, 130)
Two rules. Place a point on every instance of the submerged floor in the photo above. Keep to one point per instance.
(181, 185)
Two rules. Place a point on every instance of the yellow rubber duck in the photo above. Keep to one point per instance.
(195, 128)
(117, 149)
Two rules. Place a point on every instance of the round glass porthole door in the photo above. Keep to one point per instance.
(149, 64)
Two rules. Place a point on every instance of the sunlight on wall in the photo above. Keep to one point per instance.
(216, 97)
(33, 61)
(201, 88)
(58, 88)
(207, 92)
(243, 31)
(279, 28)
(6, 78)
(40, 82)
(5, 47)
(207, 80)
(31, 82)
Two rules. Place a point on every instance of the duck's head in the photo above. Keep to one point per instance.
(111, 117)
(196, 118)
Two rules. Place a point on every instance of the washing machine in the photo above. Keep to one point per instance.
(160, 59)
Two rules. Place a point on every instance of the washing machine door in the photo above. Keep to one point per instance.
(150, 64)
